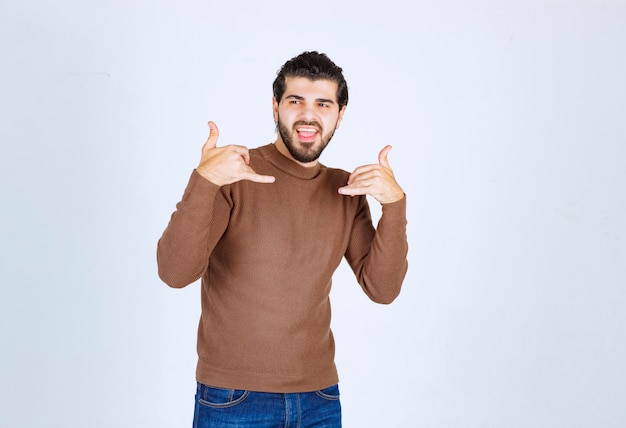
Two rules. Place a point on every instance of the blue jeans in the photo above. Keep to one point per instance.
(221, 408)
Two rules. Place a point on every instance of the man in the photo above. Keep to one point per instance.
(265, 229)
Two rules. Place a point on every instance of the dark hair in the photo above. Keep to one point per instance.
(315, 66)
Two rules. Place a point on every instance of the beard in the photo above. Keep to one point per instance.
(304, 152)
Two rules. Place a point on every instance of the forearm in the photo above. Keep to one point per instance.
(183, 249)
(381, 270)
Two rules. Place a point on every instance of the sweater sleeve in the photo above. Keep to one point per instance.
(379, 257)
(193, 231)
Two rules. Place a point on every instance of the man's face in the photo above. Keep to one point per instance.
(307, 117)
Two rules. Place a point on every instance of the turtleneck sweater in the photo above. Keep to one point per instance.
(266, 254)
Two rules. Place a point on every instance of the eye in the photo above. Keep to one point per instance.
(324, 105)
(292, 101)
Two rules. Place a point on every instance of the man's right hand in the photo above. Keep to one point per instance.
(228, 164)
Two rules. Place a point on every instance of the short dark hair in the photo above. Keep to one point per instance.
(315, 66)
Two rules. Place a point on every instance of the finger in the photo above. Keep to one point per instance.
(353, 190)
(368, 171)
(214, 134)
(242, 151)
(231, 152)
(258, 178)
(362, 171)
(382, 157)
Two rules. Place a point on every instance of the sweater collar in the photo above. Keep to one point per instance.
(288, 166)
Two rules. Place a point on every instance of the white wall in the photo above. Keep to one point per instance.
(508, 125)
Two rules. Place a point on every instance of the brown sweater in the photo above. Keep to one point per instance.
(266, 254)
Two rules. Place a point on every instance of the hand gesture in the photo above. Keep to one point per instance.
(376, 180)
(228, 164)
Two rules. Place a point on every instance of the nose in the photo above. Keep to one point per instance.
(308, 112)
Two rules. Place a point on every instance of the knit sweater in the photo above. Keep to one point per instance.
(266, 254)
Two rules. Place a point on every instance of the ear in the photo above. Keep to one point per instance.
(275, 109)
(341, 112)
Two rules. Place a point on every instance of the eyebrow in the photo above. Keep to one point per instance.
(319, 100)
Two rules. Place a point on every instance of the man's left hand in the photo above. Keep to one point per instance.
(376, 180)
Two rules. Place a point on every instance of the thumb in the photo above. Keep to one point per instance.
(214, 134)
(382, 157)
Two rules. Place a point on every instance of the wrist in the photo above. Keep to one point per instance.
(397, 196)
(207, 175)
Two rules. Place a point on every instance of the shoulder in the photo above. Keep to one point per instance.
(262, 152)
(260, 159)
(334, 174)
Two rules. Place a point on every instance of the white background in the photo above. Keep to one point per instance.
(508, 121)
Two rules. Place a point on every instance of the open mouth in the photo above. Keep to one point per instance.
(307, 133)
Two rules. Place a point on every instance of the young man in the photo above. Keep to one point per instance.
(265, 229)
